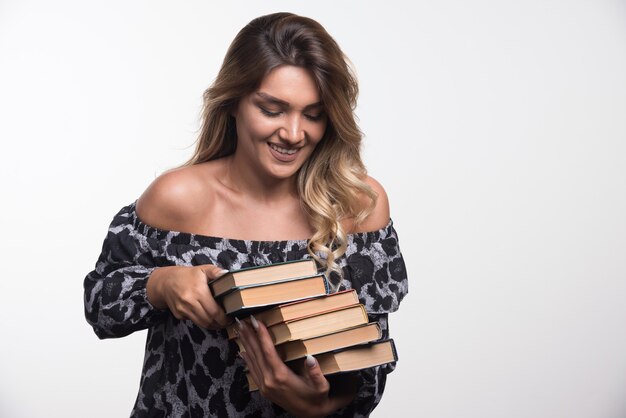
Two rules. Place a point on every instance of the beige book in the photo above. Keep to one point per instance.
(256, 296)
(316, 325)
(301, 309)
(361, 334)
(347, 360)
(262, 274)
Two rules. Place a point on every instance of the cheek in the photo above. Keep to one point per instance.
(317, 132)
(255, 127)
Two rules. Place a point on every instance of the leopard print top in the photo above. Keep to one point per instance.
(191, 371)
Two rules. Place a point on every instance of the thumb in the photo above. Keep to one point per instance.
(314, 373)
(212, 271)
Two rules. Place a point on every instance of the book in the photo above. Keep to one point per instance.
(249, 297)
(262, 274)
(346, 360)
(301, 309)
(360, 334)
(313, 326)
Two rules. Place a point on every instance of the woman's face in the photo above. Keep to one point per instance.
(279, 125)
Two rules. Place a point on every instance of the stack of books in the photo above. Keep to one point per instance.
(293, 301)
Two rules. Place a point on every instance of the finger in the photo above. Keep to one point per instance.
(212, 271)
(213, 311)
(178, 314)
(180, 310)
(275, 372)
(194, 311)
(266, 345)
(197, 315)
(248, 355)
(253, 370)
(215, 314)
(314, 373)
(244, 335)
(250, 339)
(253, 345)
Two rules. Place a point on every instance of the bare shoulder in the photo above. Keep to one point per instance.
(173, 198)
(379, 217)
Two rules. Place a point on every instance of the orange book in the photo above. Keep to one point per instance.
(324, 323)
(360, 334)
(347, 360)
(260, 295)
(262, 274)
(302, 309)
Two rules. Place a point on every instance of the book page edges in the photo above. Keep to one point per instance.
(277, 315)
(291, 279)
(232, 274)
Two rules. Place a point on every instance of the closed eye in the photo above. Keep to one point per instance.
(315, 118)
(269, 113)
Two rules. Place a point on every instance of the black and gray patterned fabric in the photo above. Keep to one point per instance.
(191, 371)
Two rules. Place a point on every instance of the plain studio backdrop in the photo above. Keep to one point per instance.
(498, 129)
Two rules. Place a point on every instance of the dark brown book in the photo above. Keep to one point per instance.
(301, 309)
(347, 360)
(259, 295)
(262, 274)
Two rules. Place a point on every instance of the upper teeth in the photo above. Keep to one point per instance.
(283, 150)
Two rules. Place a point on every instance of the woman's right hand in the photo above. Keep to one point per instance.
(185, 292)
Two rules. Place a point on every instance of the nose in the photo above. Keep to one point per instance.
(292, 131)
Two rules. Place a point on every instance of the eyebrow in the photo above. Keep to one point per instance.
(280, 102)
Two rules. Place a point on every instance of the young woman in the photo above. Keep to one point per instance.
(276, 176)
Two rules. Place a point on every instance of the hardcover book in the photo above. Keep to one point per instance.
(313, 326)
(301, 309)
(361, 334)
(262, 274)
(347, 360)
(249, 297)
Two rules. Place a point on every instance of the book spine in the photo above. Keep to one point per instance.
(326, 283)
(363, 311)
(380, 331)
(393, 350)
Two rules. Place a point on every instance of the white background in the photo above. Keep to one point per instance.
(497, 127)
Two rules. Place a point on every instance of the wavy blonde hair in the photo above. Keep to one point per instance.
(331, 182)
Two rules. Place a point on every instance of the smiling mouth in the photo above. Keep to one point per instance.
(285, 151)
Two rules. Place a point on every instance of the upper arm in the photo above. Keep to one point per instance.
(379, 217)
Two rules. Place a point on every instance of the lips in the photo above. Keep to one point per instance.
(285, 155)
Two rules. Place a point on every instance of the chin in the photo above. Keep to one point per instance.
(283, 174)
(279, 172)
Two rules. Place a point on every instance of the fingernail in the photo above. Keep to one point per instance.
(239, 324)
(255, 324)
(310, 360)
(221, 273)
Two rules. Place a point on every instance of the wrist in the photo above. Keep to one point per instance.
(154, 293)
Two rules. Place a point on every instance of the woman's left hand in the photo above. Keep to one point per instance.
(305, 395)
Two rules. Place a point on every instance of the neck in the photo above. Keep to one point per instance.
(245, 180)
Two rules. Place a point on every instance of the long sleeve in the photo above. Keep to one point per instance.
(115, 291)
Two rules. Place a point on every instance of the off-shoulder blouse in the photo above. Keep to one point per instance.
(191, 371)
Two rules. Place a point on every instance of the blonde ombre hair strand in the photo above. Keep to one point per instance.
(331, 183)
